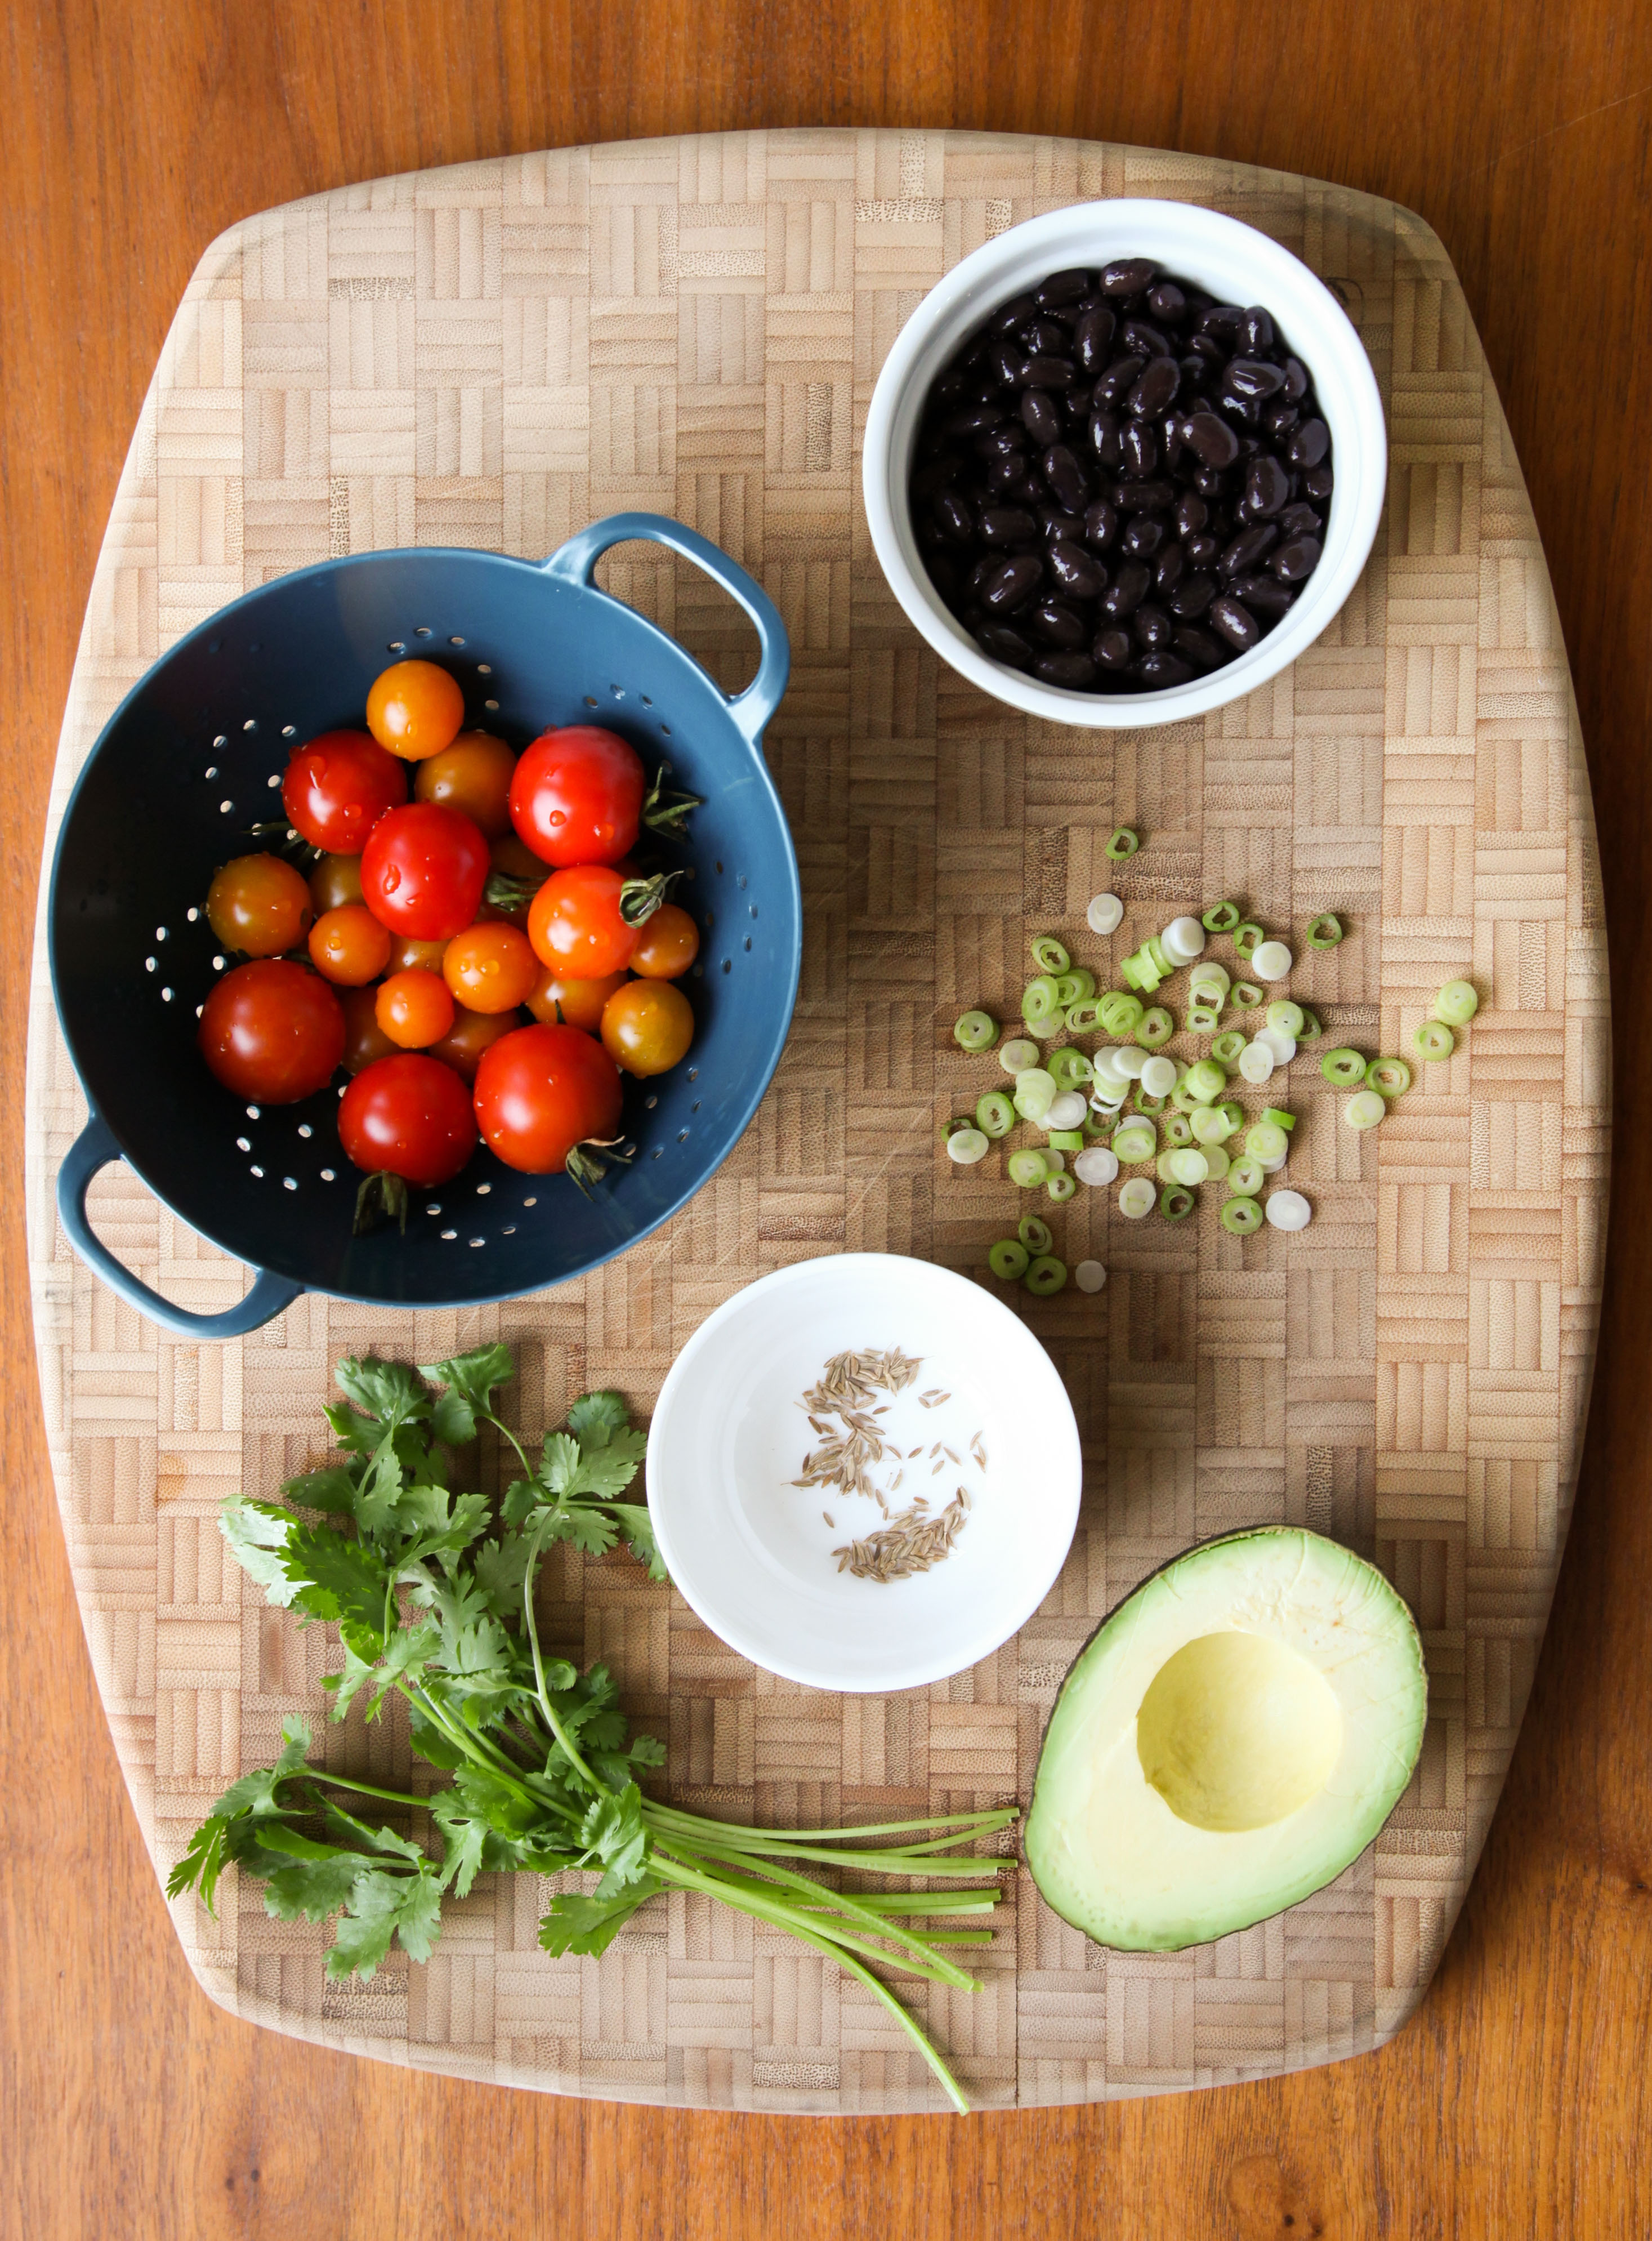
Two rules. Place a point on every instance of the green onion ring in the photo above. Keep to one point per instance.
(1220, 918)
(1050, 955)
(1326, 931)
(1343, 1069)
(1045, 1275)
(1008, 1258)
(975, 1031)
(1123, 843)
(1227, 1047)
(1060, 1187)
(1389, 1077)
(1243, 1217)
(1434, 1039)
(1176, 1203)
(1245, 994)
(995, 1113)
(1154, 1026)
(1247, 934)
(1035, 1235)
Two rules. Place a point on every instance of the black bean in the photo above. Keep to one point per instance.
(1076, 671)
(1138, 450)
(1296, 560)
(1100, 524)
(944, 574)
(1199, 647)
(1296, 381)
(1003, 472)
(1280, 419)
(1207, 349)
(1046, 372)
(1264, 595)
(1144, 533)
(1114, 649)
(1156, 389)
(1058, 525)
(1251, 378)
(1221, 320)
(1005, 645)
(1192, 596)
(1211, 439)
(1161, 670)
(1300, 521)
(1256, 330)
(1007, 440)
(1044, 337)
(974, 421)
(1065, 287)
(1192, 514)
(954, 518)
(1040, 417)
(1007, 524)
(1235, 621)
(1267, 487)
(1153, 627)
(1319, 482)
(1169, 569)
(1093, 337)
(1058, 624)
(935, 476)
(1117, 382)
(1202, 550)
(1195, 372)
(1128, 277)
(1066, 478)
(1076, 571)
(1146, 340)
(1074, 406)
(1136, 496)
(1127, 590)
(1309, 443)
(1167, 302)
(1244, 550)
(1006, 363)
(1106, 437)
(1209, 482)
(1016, 313)
(1014, 585)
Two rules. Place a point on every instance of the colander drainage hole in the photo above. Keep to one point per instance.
(274, 778)
(651, 1102)
(305, 1129)
(166, 995)
(741, 882)
(160, 934)
(329, 1175)
(530, 1201)
(243, 1143)
(149, 965)
(218, 965)
(646, 702)
(194, 916)
(254, 1112)
(665, 728)
(590, 700)
(397, 646)
(682, 1135)
(728, 965)
(748, 941)
(694, 1107)
(225, 807)
(482, 1189)
(694, 1073)
(485, 669)
(450, 1234)
(288, 1182)
(251, 725)
(478, 1241)
(509, 1230)
(259, 1173)
(288, 731)
(490, 704)
(455, 641)
(422, 630)
(433, 1209)
(212, 771)
(655, 1151)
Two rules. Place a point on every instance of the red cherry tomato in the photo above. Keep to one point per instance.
(411, 1116)
(422, 871)
(542, 1091)
(575, 926)
(271, 1031)
(577, 796)
(337, 787)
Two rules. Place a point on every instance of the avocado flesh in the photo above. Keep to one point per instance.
(1226, 1742)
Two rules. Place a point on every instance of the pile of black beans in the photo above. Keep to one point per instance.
(1119, 483)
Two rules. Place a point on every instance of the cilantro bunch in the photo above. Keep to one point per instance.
(431, 1595)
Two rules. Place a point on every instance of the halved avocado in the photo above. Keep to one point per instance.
(1227, 1741)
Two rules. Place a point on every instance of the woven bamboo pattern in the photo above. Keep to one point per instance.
(496, 354)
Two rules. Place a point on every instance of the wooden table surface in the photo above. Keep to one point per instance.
(1514, 2103)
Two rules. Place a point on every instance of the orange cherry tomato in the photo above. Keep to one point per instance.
(364, 1040)
(408, 953)
(349, 946)
(472, 775)
(575, 926)
(272, 1031)
(415, 709)
(414, 1009)
(472, 1033)
(562, 1002)
(258, 905)
(666, 945)
(335, 881)
(647, 1026)
(490, 968)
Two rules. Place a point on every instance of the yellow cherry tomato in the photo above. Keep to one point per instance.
(561, 1002)
(259, 906)
(415, 709)
(335, 881)
(647, 1026)
(472, 775)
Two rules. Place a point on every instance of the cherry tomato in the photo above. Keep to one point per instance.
(408, 953)
(414, 1009)
(490, 968)
(667, 945)
(272, 1032)
(471, 1033)
(541, 1092)
(335, 881)
(422, 871)
(364, 1040)
(575, 926)
(349, 946)
(409, 1116)
(472, 776)
(415, 709)
(337, 786)
(560, 1001)
(258, 905)
(647, 1026)
(577, 796)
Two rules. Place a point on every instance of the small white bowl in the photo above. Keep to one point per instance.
(1238, 265)
(754, 1554)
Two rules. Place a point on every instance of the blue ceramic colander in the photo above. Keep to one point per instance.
(193, 757)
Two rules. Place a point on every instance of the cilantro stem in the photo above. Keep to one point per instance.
(974, 1823)
(564, 1739)
(903, 1860)
(363, 1789)
(488, 1417)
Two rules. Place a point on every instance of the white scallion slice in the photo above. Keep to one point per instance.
(966, 1146)
(1068, 1112)
(1105, 915)
(1137, 1198)
(1016, 1055)
(1271, 961)
(1108, 1072)
(1182, 940)
(1216, 1162)
(1090, 1275)
(1282, 1045)
(1129, 1059)
(1210, 973)
(1287, 1209)
(1188, 1166)
(1364, 1109)
(1158, 1076)
(1256, 1061)
(1096, 1164)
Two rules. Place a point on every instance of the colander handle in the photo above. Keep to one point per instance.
(96, 1147)
(752, 709)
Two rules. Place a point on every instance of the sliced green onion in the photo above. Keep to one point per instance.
(1175, 1203)
(1343, 1069)
(1243, 1217)
(1050, 955)
(1067, 1140)
(1220, 918)
(1046, 1030)
(1245, 994)
(1285, 1018)
(1267, 1141)
(1040, 999)
(1045, 1275)
(1216, 1162)
(1034, 1081)
(1208, 973)
(1201, 1021)
(1245, 1177)
(1457, 1003)
(975, 1031)
(1154, 1026)
(966, 1145)
(1270, 960)
(1247, 934)
(1060, 1187)
(1096, 1164)
(1034, 1233)
(1028, 1169)
(1069, 1068)
(1123, 843)
(1178, 1128)
(1083, 1018)
(1326, 931)
(1310, 1029)
(1149, 1101)
(1008, 1258)
(1084, 983)
(1364, 1109)
(1285, 1121)
(1120, 1012)
(1104, 914)
(1017, 1055)
(1210, 1125)
(1188, 1166)
(1434, 1039)
(1160, 1076)
(1236, 1114)
(994, 1114)
(1140, 971)
(1206, 1079)
(1138, 1197)
(1097, 1124)
(1135, 1140)
(1389, 1077)
(1229, 1048)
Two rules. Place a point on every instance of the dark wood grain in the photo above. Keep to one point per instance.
(1516, 2103)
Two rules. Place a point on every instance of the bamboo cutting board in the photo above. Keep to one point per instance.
(494, 355)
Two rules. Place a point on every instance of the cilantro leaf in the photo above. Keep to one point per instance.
(258, 1533)
(474, 1375)
(345, 1686)
(337, 1579)
(523, 1497)
(595, 1417)
(638, 1530)
(453, 1419)
(586, 1925)
(333, 1488)
(560, 1461)
(613, 1828)
(356, 1433)
(255, 1793)
(202, 1862)
(500, 1567)
(311, 1890)
(380, 1907)
(388, 1390)
(608, 1470)
(587, 1528)
(464, 1842)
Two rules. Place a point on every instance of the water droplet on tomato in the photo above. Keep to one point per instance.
(557, 819)
(391, 879)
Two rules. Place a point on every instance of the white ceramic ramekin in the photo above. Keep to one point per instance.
(1238, 265)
